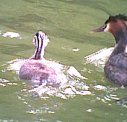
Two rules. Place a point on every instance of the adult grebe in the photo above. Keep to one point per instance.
(35, 68)
(116, 66)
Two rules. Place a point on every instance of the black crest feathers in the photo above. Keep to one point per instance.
(115, 18)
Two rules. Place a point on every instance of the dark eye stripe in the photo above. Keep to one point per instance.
(39, 44)
(37, 34)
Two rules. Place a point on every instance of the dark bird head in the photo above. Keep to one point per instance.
(113, 24)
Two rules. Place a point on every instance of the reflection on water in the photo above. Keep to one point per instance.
(122, 102)
(31, 101)
(42, 99)
(72, 86)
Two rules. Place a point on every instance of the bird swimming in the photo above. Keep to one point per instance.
(35, 69)
(116, 66)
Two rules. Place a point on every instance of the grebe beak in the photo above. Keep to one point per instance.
(100, 29)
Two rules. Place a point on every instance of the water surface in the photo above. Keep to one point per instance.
(68, 24)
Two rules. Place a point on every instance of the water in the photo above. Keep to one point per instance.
(68, 24)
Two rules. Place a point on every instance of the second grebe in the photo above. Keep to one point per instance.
(116, 66)
(35, 69)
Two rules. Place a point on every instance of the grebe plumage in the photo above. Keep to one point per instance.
(35, 69)
(116, 66)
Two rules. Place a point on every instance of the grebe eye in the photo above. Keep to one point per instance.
(105, 26)
(37, 34)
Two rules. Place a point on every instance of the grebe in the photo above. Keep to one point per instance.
(35, 69)
(116, 66)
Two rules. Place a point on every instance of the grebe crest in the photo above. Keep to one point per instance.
(36, 69)
(116, 66)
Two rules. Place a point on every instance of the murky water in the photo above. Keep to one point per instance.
(68, 24)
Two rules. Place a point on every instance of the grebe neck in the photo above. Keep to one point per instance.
(39, 52)
(121, 39)
(40, 41)
(121, 35)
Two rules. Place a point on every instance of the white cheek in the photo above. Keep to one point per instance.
(46, 41)
(34, 41)
(107, 28)
(125, 49)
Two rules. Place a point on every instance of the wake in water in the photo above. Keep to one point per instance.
(99, 58)
(68, 77)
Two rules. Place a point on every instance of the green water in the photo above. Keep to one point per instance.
(68, 24)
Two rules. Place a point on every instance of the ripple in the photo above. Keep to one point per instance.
(122, 102)
(6, 120)
(4, 82)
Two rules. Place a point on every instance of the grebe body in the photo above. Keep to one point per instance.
(116, 66)
(36, 68)
(116, 69)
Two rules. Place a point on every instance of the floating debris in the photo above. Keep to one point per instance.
(89, 110)
(75, 49)
(71, 49)
(12, 35)
(100, 87)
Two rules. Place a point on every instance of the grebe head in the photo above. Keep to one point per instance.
(40, 37)
(113, 24)
(40, 41)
